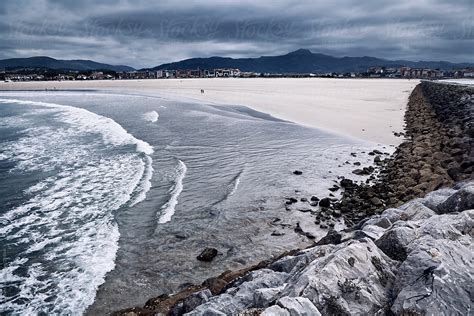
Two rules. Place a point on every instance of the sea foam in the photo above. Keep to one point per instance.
(111, 131)
(168, 209)
(65, 232)
(151, 116)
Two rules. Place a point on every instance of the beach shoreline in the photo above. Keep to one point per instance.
(367, 109)
(426, 106)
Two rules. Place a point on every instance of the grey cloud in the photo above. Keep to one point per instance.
(145, 33)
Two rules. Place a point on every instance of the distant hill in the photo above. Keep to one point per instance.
(303, 61)
(58, 64)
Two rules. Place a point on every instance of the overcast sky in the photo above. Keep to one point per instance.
(144, 33)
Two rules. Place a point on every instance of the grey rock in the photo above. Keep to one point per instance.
(412, 211)
(373, 232)
(319, 281)
(207, 254)
(240, 296)
(394, 242)
(298, 306)
(378, 220)
(208, 312)
(250, 312)
(436, 277)
(415, 210)
(262, 297)
(346, 183)
(194, 300)
(292, 264)
(451, 227)
(325, 202)
(460, 201)
(392, 214)
(275, 310)
(376, 201)
(332, 237)
(433, 199)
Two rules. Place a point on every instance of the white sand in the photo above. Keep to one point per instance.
(369, 109)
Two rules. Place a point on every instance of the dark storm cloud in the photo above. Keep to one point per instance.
(147, 33)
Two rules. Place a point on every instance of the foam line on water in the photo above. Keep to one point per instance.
(145, 185)
(235, 183)
(168, 209)
(66, 223)
(110, 130)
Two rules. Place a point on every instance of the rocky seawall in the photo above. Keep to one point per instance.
(437, 152)
(408, 252)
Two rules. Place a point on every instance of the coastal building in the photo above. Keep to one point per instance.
(226, 72)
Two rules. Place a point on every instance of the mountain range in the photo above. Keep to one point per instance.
(299, 61)
(304, 61)
(44, 62)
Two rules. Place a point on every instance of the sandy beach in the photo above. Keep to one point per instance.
(369, 109)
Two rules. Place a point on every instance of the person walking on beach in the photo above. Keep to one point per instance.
(202, 91)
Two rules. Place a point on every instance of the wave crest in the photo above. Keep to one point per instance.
(168, 209)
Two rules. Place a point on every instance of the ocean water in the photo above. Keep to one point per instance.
(106, 198)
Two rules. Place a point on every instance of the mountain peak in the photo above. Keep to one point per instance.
(301, 51)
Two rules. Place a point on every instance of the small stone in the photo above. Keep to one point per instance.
(297, 172)
(326, 202)
(376, 201)
(334, 188)
(346, 183)
(207, 255)
(291, 200)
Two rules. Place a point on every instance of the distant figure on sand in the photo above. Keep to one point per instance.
(202, 90)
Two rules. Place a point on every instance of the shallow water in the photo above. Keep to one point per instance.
(130, 188)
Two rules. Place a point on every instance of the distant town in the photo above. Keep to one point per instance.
(372, 72)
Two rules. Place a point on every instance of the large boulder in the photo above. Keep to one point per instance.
(352, 278)
(241, 295)
(436, 277)
(460, 201)
(394, 242)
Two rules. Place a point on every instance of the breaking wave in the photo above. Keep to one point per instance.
(64, 237)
